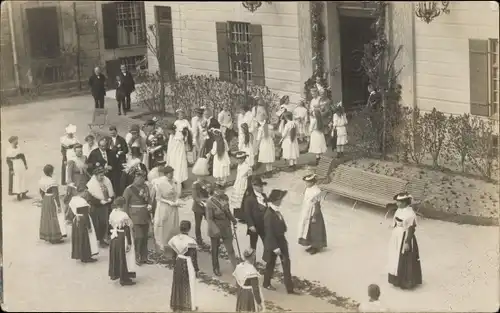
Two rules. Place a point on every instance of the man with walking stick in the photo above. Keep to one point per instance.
(219, 220)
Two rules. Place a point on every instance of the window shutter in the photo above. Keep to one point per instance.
(112, 70)
(257, 49)
(223, 50)
(478, 66)
(109, 26)
(43, 21)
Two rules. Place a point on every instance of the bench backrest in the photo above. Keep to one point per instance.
(324, 167)
(416, 188)
(382, 186)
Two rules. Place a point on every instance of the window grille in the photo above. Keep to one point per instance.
(133, 62)
(130, 19)
(493, 71)
(239, 40)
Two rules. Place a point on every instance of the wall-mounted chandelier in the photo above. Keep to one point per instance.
(429, 10)
(252, 6)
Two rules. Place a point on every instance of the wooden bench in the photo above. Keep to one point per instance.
(364, 186)
(99, 119)
(324, 168)
(416, 188)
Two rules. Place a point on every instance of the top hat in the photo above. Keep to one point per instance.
(276, 195)
(257, 181)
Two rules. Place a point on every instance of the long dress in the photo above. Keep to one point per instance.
(16, 161)
(176, 152)
(121, 263)
(76, 178)
(67, 145)
(247, 148)
(317, 143)
(312, 230)
(222, 163)
(83, 237)
(243, 171)
(290, 148)
(404, 267)
(52, 222)
(166, 218)
(339, 124)
(300, 117)
(267, 151)
(249, 293)
(183, 296)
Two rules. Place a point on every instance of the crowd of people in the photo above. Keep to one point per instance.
(117, 187)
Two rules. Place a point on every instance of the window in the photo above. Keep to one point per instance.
(240, 63)
(133, 62)
(130, 20)
(493, 75)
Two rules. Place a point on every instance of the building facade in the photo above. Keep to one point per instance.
(450, 63)
(41, 39)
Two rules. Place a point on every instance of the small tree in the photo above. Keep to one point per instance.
(460, 137)
(434, 127)
(413, 142)
(483, 152)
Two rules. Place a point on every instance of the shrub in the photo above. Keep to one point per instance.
(434, 126)
(149, 92)
(482, 154)
(460, 137)
(412, 136)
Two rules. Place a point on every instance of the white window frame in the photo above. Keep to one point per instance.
(493, 76)
(130, 23)
(238, 34)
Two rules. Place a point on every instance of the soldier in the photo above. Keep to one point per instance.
(138, 207)
(156, 145)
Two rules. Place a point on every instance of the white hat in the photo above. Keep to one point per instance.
(310, 177)
(70, 129)
(402, 196)
(77, 202)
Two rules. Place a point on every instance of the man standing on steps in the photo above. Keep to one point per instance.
(97, 84)
(128, 85)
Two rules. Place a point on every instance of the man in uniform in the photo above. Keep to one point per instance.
(275, 243)
(138, 207)
(219, 219)
(201, 192)
(254, 208)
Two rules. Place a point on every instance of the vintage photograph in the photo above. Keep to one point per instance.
(249, 156)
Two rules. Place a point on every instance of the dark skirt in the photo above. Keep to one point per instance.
(245, 300)
(117, 259)
(180, 299)
(409, 268)
(70, 193)
(316, 235)
(80, 242)
(63, 172)
(49, 225)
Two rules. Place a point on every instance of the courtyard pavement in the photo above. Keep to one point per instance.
(459, 262)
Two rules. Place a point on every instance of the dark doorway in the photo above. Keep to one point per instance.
(355, 32)
(43, 27)
(166, 45)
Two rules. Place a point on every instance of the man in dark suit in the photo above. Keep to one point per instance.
(211, 123)
(119, 149)
(275, 243)
(254, 208)
(97, 83)
(102, 157)
(128, 85)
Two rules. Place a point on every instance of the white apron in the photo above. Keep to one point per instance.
(311, 196)
(19, 177)
(180, 244)
(119, 218)
(244, 271)
(408, 217)
(94, 248)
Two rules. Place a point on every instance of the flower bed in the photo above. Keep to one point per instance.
(447, 192)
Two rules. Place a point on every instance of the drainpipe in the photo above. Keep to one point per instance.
(14, 50)
(414, 54)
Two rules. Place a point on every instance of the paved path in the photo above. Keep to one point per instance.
(460, 263)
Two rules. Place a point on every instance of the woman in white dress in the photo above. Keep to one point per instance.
(89, 145)
(243, 172)
(245, 143)
(222, 163)
(177, 148)
(16, 160)
(289, 142)
(259, 113)
(317, 142)
(403, 265)
(265, 138)
(68, 142)
(339, 124)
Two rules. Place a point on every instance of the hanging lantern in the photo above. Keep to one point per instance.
(429, 10)
(252, 6)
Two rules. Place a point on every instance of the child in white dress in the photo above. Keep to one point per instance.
(339, 123)
(317, 143)
(300, 115)
(222, 163)
(245, 143)
(289, 142)
(374, 304)
(265, 138)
